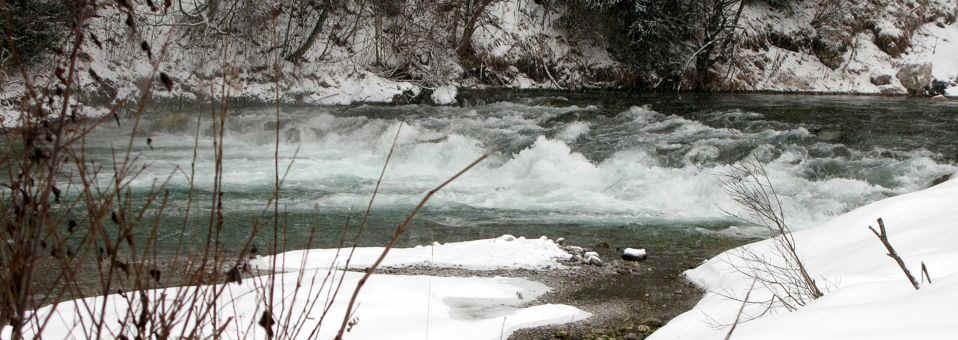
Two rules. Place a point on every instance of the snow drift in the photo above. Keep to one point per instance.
(866, 294)
(504, 252)
(390, 306)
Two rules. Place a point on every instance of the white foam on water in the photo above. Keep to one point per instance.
(658, 166)
(573, 131)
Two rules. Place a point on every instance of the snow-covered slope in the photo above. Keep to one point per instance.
(866, 294)
(877, 47)
(892, 47)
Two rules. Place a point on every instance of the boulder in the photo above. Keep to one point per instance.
(915, 77)
(940, 179)
(591, 257)
(880, 80)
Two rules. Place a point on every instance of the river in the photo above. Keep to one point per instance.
(628, 170)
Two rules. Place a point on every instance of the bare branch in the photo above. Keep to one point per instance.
(399, 231)
(883, 237)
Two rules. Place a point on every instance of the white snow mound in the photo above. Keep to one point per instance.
(505, 252)
(866, 294)
(444, 95)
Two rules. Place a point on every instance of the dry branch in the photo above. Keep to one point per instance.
(883, 237)
(924, 271)
(741, 309)
(399, 231)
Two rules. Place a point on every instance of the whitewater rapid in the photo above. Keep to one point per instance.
(572, 164)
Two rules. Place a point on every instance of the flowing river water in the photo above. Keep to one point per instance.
(595, 167)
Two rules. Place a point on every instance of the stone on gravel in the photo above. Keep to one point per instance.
(653, 322)
(592, 258)
(632, 254)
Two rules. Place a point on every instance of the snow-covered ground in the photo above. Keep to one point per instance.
(390, 306)
(862, 66)
(530, 49)
(504, 252)
(866, 294)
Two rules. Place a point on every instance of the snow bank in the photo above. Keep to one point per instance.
(866, 294)
(345, 88)
(444, 95)
(390, 307)
(505, 252)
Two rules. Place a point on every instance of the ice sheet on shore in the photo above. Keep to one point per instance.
(504, 252)
(866, 294)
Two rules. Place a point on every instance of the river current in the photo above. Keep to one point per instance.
(593, 166)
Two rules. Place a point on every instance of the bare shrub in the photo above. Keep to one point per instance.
(781, 271)
(80, 247)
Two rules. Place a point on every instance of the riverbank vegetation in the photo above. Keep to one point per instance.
(76, 228)
(326, 51)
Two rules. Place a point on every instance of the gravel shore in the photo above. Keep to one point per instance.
(628, 299)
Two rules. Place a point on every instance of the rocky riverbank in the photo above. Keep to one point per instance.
(627, 299)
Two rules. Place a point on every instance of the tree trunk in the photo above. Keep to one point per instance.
(465, 49)
(297, 55)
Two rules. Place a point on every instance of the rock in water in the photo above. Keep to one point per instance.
(940, 179)
(632, 254)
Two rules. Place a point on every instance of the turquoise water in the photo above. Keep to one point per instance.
(591, 167)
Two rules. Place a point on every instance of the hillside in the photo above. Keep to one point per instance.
(343, 52)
